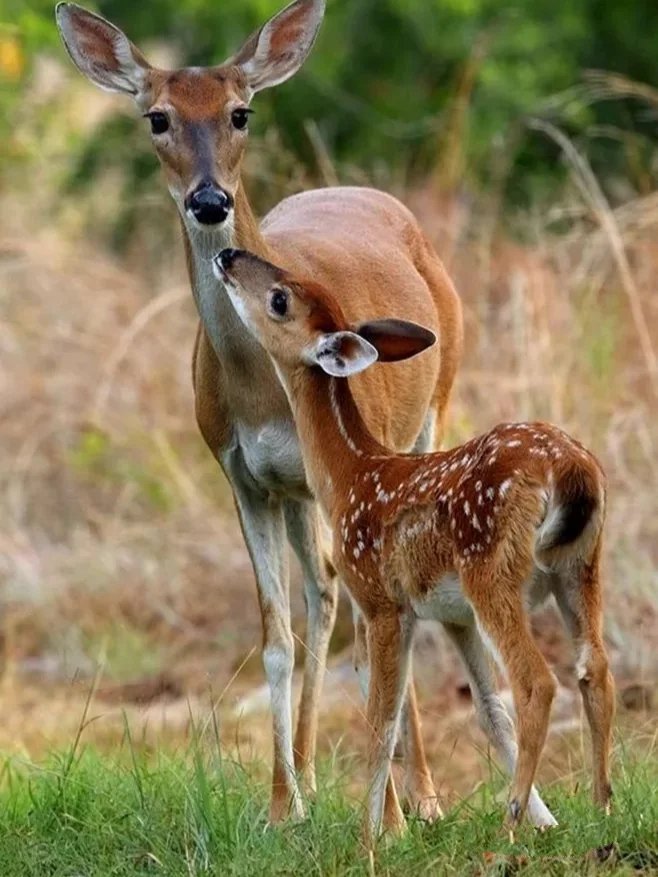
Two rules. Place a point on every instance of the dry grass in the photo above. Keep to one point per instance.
(118, 541)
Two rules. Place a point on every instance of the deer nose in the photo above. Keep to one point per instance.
(209, 204)
(227, 257)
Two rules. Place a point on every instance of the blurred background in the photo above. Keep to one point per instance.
(525, 137)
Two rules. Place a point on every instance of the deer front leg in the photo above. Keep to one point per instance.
(391, 815)
(263, 527)
(321, 596)
(419, 789)
(390, 636)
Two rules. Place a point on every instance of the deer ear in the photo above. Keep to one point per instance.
(279, 48)
(396, 339)
(101, 51)
(341, 354)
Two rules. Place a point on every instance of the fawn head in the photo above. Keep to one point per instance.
(198, 115)
(300, 324)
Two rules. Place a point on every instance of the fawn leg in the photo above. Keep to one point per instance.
(492, 715)
(499, 611)
(580, 601)
(419, 787)
(390, 635)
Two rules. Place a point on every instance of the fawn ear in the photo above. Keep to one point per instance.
(396, 339)
(101, 51)
(341, 354)
(276, 51)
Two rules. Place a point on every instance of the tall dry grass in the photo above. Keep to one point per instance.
(118, 540)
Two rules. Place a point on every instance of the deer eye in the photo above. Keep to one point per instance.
(240, 117)
(278, 304)
(159, 122)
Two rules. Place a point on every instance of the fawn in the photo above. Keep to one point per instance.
(473, 537)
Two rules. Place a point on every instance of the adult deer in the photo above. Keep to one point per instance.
(471, 537)
(362, 243)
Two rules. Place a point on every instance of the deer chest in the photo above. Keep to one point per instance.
(272, 456)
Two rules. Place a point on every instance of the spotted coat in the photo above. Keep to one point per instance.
(447, 509)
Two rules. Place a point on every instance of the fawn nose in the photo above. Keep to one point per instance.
(227, 257)
(209, 204)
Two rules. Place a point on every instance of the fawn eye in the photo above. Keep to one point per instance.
(278, 303)
(240, 117)
(159, 122)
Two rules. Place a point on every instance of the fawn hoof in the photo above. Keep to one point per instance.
(288, 810)
(604, 798)
(542, 829)
(428, 809)
(394, 825)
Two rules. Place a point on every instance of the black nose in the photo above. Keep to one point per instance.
(227, 257)
(209, 204)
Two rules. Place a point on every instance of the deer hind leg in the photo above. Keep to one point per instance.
(263, 528)
(579, 598)
(498, 606)
(390, 637)
(492, 715)
(321, 597)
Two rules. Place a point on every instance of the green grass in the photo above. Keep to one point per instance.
(83, 813)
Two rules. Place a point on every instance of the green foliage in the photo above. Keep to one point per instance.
(96, 458)
(125, 652)
(196, 813)
(401, 82)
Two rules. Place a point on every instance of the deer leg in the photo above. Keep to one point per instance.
(390, 636)
(492, 715)
(361, 666)
(580, 602)
(321, 597)
(500, 613)
(263, 527)
(419, 788)
(418, 785)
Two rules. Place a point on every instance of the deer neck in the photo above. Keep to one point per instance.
(226, 332)
(336, 444)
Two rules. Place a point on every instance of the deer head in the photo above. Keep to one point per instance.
(198, 115)
(300, 324)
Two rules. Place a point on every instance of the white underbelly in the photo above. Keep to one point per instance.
(445, 603)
